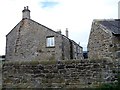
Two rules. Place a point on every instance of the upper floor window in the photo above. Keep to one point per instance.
(50, 41)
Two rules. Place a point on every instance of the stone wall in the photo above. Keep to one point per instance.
(77, 51)
(65, 48)
(27, 41)
(102, 43)
(62, 74)
(116, 45)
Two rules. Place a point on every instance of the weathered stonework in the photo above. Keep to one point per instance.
(63, 74)
(27, 41)
(103, 43)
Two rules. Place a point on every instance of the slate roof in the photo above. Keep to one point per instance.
(112, 25)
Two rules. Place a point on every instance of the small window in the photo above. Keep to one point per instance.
(50, 42)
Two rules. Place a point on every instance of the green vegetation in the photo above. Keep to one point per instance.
(110, 86)
(43, 62)
(49, 62)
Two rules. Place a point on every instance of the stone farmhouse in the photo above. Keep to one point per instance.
(29, 40)
(104, 39)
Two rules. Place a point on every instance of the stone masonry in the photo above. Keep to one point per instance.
(104, 39)
(62, 74)
(28, 41)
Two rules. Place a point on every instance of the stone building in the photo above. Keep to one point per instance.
(104, 39)
(29, 40)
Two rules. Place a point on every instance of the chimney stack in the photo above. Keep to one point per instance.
(59, 31)
(119, 10)
(67, 32)
(26, 13)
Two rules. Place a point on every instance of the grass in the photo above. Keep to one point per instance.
(49, 62)
(43, 62)
(106, 86)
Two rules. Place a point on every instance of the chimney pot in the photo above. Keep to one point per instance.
(27, 7)
(26, 13)
(24, 8)
(67, 32)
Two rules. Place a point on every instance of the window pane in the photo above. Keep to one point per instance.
(50, 42)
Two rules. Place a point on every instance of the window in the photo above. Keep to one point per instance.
(50, 41)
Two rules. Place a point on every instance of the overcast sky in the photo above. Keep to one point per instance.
(76, 15)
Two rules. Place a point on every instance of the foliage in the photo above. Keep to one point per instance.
(110, 86)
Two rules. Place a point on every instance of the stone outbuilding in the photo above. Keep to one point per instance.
(104, 39)
(30, 40)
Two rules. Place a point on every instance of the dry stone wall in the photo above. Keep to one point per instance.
(58, 74)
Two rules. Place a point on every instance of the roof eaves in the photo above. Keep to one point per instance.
(14, 28)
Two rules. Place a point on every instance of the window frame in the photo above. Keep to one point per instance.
(50, 39)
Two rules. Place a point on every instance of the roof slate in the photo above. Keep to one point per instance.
(112, 25)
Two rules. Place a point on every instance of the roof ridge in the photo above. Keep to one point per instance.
(112, 25)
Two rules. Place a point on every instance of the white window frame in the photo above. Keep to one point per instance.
(50, 41)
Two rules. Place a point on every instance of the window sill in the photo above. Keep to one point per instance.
(50, 47)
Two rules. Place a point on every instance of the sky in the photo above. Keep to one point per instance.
(76, 15)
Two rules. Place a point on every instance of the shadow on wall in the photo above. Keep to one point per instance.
(85, 54)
